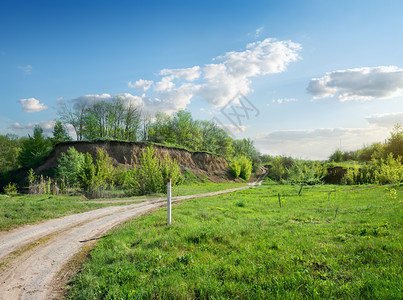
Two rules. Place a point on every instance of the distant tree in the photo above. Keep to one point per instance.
(74, 114)
(247, 148)
(60, 133)
(10, 147)
(394, 143)
(336, 156)
(35, 149)
(305, 173)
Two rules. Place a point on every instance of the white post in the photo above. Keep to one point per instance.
(169, 201)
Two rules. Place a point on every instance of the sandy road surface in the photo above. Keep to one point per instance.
(33, 255)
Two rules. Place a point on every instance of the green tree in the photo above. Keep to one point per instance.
(60, 133)
(170, 170)
(336, 156)
(69, 166)
(149, 176)
(395, 141)
(86, 177)
(10, 147)
(305, 173)
(35, 149)
(246, 148)
(104, 170)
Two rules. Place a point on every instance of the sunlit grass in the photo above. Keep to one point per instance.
(22, 209)
(331, 242)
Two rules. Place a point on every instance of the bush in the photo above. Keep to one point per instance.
(10, 189)
(152, 175)
(241, 167)
(149, 175)
(389, 170)
(235, 169)
(86, 177)
(170, 169)
(69, 166)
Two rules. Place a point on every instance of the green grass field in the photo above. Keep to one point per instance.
(332, 242)
(21, 209)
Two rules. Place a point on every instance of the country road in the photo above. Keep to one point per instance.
(32, 256)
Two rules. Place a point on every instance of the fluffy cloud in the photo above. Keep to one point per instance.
(359, 84)
(318, 143)
(141, 84)
(47, 126)
(16, 126)
(219, 82)
(188, 74)
(386, 120)
(32, 105)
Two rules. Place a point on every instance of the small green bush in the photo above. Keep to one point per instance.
(10, 189)
(235, 169)
(241, 167)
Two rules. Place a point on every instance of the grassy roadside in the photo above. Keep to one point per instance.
(23, 209)
(186, 189)
(331, 242)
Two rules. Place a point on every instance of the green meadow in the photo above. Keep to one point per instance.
(332, 242)
(19, 209)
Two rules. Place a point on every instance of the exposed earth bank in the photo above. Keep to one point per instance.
(213, 167)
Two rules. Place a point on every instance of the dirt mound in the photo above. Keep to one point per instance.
(215, 168)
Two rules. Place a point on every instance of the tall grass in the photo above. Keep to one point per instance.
(331, 242)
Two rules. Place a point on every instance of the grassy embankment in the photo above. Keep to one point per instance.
(331, 242)
(23, 209)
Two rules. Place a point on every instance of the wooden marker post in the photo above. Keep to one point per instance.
(169, 201)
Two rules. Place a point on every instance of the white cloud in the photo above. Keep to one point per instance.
(141, 84)
(188, 74)
(32, 105)
(26, 69)
(219, 82)
(47, 126)
(318, 143)
(231, 128)
(16, 126)
(359, 84)
(258, 32)
(386, 120)
(284, 100)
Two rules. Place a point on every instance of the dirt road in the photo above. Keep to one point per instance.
(32, 256)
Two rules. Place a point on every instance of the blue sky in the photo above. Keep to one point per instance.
(315, 75)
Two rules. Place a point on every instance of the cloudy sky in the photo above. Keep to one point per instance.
(301, 78)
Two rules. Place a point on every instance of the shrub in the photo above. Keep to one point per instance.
(389, 170)
(149, 175)
(86, 177)
(246, 167)
(104, 170)
(352, 176)
(152, 175)
(241, 167)
(235, 169)
(170, 169)
(69, 166)
(10, 189)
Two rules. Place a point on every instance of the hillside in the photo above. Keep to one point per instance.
(215, 168)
